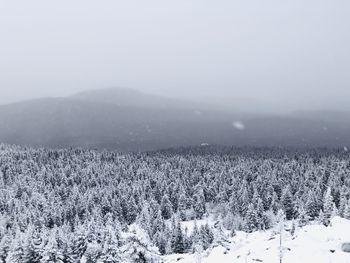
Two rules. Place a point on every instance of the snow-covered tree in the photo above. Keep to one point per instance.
(199, 204)
(138, 247)
(303, 217)
(16, 253)
(251, 223)
(328, 207)
(51, 252)
(166, 207)
(347, 210)
(287, 203)
(207, 236)
(5, 245)
(80, 193)
(177, 241)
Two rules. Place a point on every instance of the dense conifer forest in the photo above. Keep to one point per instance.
(79, 205)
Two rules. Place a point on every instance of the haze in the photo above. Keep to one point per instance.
(277, 55)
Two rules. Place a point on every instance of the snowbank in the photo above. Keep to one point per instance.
(312, 243)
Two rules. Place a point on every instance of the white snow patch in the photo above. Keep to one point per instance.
(238, 125)
(312, 243)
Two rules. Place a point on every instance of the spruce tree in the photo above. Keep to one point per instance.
(110, 245)
(260, 214)
(138, 247)
(178, 242)
(130, 210)
(166, 207)
(251, 223)
(312, 207)
(342, 205)
(16, 252)
(347, 210)
(287, 202)
(327, 207)
(207, 236)
(79, 245)
(199, 204)
(51, 252)
(303, 217)
(5, 245)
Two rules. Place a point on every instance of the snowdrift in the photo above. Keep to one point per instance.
(311, 243)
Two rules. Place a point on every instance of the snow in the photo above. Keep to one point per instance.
(238, 125)
(312, 243)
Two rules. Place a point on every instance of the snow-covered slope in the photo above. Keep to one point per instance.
(312, 243)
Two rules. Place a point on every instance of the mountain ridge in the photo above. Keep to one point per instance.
(146, 122)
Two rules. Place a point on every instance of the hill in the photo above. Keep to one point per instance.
(128, 120)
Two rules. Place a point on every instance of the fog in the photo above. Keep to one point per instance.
(279, 55)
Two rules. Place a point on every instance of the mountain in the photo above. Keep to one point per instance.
(128, 120)
(133, 98)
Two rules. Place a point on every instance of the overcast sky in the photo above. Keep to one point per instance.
(294, 54)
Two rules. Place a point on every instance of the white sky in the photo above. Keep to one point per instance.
(295, 53)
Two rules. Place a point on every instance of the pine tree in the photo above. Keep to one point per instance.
(251, 223)
(160, 242)
(182, 204)
(110, 250)
(16, 253)
(195, 238)
(220, 237)
(347, 210)
(207, 236)
(260, 214)
(79, 245)
(93, 252)
(178, 242)
(342, 206)
(157, 225)
(274, 203)
(327, 207)
(342, 201)
(312, 207)
(138, 248)
(35, 247)
(303, 217)
(145, 219)
(51, 252)
(199, 204)
(198, 252)
(5, 245)
(166, 207)
(287, 202)
(321, 218)
(130, 210)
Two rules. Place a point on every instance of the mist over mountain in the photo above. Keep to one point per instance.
(133, 98)
(129, 120)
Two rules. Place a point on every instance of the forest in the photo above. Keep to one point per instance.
(77, 205)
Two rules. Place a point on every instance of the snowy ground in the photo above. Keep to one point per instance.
(312, 243)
